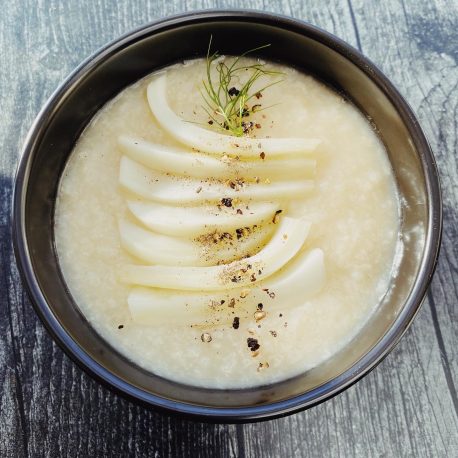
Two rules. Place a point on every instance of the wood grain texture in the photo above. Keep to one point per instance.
(407, 407)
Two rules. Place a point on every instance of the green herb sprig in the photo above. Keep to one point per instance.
(227, 105)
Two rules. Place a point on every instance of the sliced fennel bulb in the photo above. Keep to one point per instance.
(155, 248)
(177, 161)
(297, 282)
(161, 187)
(212, 142)
(193, 221)
(285, 243)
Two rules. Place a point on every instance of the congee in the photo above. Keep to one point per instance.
(227, 222)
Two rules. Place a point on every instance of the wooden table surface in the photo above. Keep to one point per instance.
(408, 406)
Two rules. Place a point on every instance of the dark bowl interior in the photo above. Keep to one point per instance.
(130, 58)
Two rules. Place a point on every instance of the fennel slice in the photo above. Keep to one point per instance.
(193, 221)
(177, 161)
(161, 187)
(297, 282)
(212, 142)
(154, 248)
(285, 243)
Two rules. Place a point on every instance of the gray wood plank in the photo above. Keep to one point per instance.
(49, 407)
(425, 68)
(12, 421)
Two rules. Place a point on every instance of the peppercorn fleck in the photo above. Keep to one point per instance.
(233, 91)
(247, 126)
(253, 344)
(206, 337)
(276, 217)
(236, 322)
(226, 201)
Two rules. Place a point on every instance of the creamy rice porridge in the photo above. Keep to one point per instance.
(221, 260)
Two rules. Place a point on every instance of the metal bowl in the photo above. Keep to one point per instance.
(129, 58)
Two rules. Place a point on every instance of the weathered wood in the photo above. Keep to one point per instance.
(406, 407)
